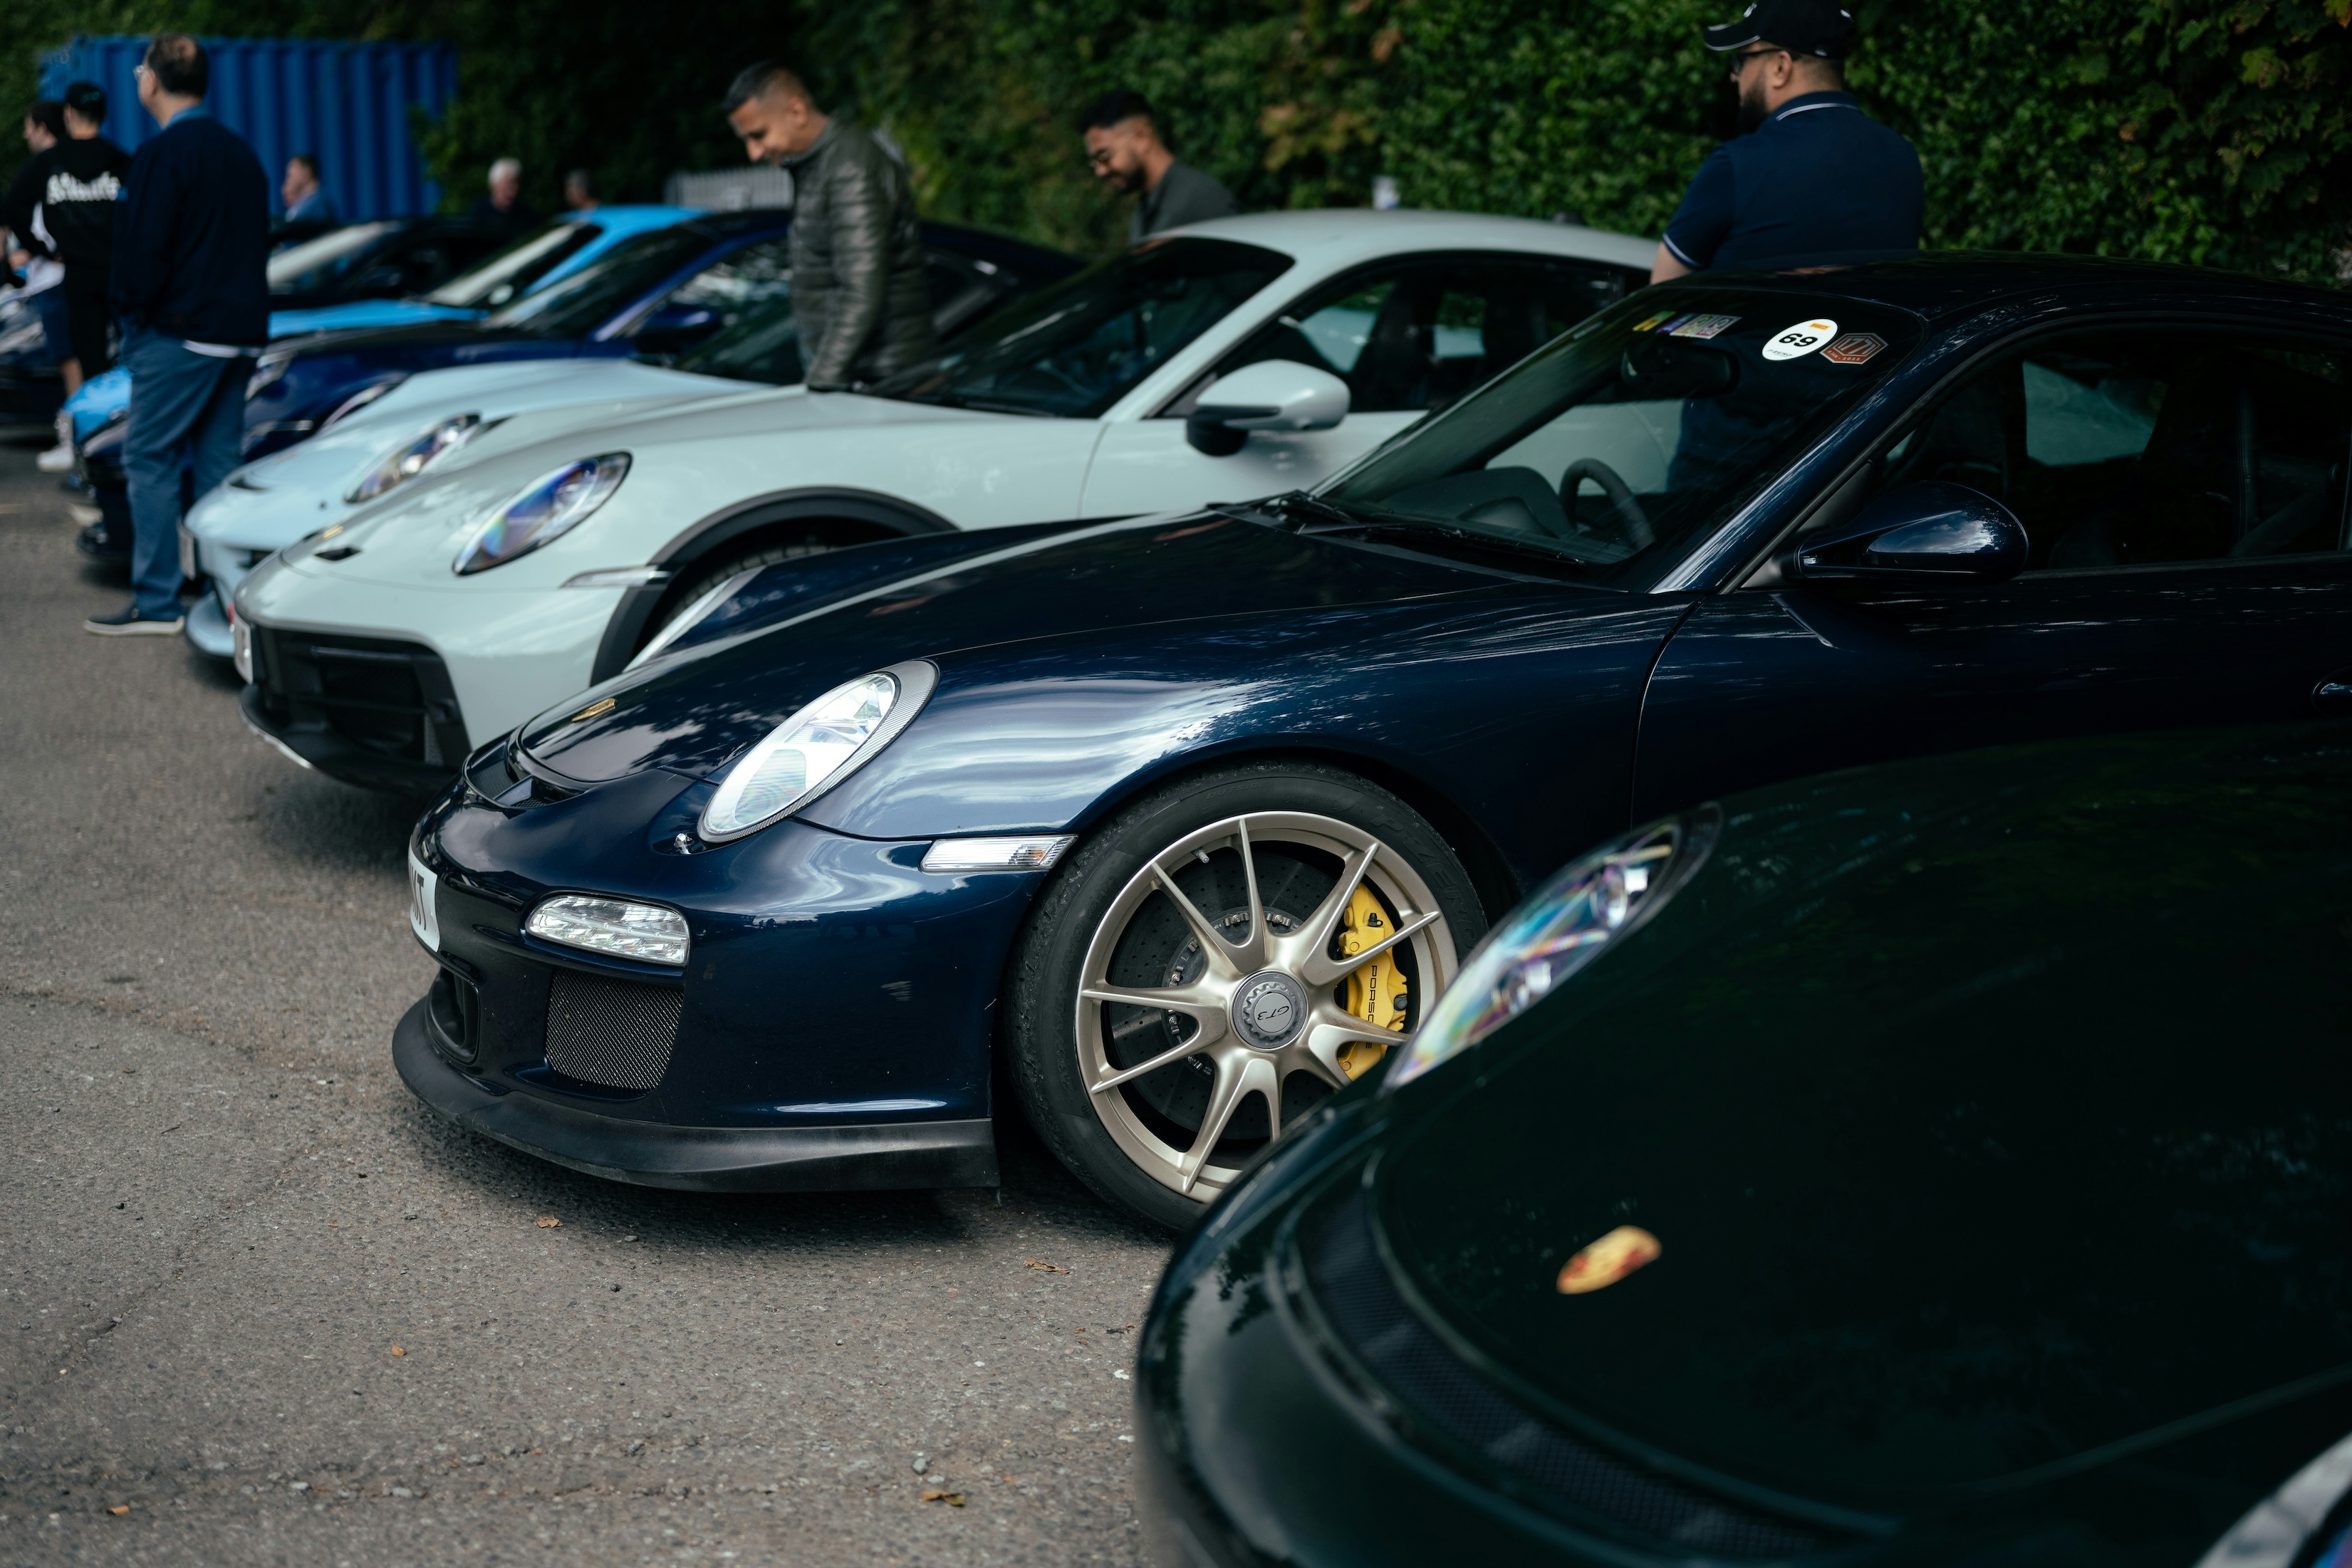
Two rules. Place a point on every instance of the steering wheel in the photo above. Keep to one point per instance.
(1633, 522)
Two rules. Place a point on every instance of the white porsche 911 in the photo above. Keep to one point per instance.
(1227, 360)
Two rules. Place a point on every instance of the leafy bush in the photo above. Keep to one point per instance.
(2205, 130)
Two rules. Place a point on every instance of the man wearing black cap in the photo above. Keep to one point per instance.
(1810, 180)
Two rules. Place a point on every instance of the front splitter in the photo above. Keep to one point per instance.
(863, 1157)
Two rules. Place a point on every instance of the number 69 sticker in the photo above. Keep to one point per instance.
(1800, 340)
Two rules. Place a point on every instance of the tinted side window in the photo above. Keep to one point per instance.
(1417, 335)
(742, 281)
(2125, 447)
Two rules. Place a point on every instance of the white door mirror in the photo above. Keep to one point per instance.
(1273, 395)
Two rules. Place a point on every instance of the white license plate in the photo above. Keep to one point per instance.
(424, 914)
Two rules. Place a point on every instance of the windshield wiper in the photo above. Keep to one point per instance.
(1431, 527)
(1299, 509)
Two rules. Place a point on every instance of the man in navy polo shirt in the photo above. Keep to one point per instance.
(1810, 180)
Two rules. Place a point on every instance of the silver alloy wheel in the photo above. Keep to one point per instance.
(1263, 1007)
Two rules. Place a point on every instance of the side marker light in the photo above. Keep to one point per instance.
(996, 854)
(1604, 1262)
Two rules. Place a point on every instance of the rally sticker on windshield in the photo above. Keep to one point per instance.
(1854, 347)
(1661, 317)
(1700, 326)
(1800, 340)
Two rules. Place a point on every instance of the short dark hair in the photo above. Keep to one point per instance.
(49, 115)
(308, 160)
(758, 80)
(582, 179)
(180, 63)
(1119, 103)
(87, 99)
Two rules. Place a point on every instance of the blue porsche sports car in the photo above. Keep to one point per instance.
(1184, 821)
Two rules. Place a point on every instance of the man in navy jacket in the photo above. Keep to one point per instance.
(1810, 180)
(190, 286)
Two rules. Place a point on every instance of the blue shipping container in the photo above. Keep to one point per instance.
(348, 102)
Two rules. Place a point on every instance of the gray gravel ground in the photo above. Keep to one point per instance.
(258, 1306)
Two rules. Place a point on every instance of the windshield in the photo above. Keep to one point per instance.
(314, 263)
(509, 272)
(1623, 445)
(578, 305)
(763, 345)
(1077, 347)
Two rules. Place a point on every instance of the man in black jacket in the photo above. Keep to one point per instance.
(860, 301)
(191, 284)
(75, 184)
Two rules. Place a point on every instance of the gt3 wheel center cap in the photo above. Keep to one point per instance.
(1269, 1009)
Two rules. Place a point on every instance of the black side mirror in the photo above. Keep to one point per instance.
(1926, 533)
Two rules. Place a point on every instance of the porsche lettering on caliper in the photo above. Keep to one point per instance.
(1378, 992)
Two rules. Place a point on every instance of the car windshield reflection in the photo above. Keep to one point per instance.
(1624, 443)
(1077, 347)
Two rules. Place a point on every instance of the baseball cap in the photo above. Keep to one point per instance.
(87, 99)
(1800, 27)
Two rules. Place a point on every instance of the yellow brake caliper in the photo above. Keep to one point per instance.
(1375, 993)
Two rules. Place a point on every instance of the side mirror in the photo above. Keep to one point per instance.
(1926, 533)
(1273, 395)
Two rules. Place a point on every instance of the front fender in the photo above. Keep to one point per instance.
(1518, 711)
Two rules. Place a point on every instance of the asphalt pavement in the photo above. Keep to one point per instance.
(258, 1305)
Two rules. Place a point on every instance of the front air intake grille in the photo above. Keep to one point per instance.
(614, 1033)
(384, 699)
(1381, 1332)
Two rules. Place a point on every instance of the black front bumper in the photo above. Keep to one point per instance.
(866, 1157)
(366, 710)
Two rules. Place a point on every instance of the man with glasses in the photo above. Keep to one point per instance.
(1810, 180)
(190, 286)
(1124, 149)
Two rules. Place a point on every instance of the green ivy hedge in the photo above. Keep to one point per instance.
(2217, 132)
(2203, 131)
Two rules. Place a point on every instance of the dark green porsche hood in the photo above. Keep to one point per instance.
(1991, 1112)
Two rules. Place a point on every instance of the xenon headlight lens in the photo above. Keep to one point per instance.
(1590, 903)
(613, 927)
(815, 748)
(407, 460)
(548, 508)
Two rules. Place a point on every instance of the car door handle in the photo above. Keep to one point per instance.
(2334, 692)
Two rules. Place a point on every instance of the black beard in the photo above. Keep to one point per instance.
(1752, 112)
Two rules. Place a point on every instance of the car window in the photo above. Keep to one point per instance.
(578, 305)
(509, 272)
(316, 264)
(1412, 335)
(739, 282)
(2125, 448)
(1078, 347)
(1629, 439)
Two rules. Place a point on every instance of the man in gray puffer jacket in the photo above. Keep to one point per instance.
(860, 302)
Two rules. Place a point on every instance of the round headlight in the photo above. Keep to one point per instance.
(816, 748)
(546, 509)
(1593, 902)
(407, 460)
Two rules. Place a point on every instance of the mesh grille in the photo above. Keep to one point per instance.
(613, 1032)
(1353, 1287)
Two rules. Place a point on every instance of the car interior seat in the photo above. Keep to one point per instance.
(2247, 459)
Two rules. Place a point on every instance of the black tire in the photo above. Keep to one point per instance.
(1089, 908)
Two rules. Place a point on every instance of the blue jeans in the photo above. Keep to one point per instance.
(51, 303)
(180, 402)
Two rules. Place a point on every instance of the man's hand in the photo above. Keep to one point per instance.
(1666, 266)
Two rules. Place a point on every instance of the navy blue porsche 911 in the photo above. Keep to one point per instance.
(1186, 820)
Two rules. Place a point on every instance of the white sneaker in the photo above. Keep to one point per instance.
(57, 459)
